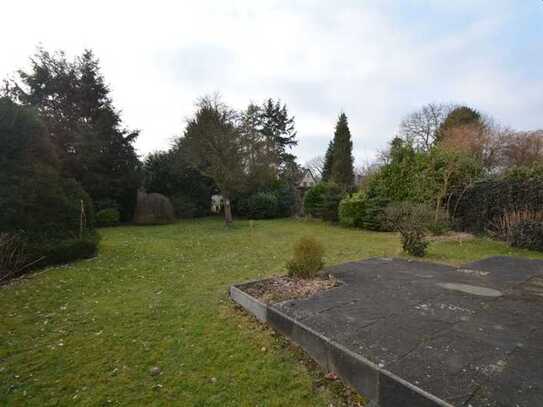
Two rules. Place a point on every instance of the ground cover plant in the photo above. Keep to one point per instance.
(156, 297)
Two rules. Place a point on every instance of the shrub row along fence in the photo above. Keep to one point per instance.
(487, 204)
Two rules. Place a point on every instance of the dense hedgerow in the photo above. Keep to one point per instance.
(482, 204)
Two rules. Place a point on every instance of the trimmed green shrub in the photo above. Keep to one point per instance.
(64, 251)
(307, 259)
(352, 210)
(263, 205)
(108, 217)
(528, 234)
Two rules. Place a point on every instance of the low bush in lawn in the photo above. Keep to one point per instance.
(108, 217)
(527, 234)
(307, 259)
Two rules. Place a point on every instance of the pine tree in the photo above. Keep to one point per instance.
(342, 171)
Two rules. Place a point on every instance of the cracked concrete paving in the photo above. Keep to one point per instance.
(471, 335)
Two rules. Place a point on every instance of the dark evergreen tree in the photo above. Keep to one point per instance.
(170, 173)
(279, 129)
(37, 205)
(327, 168)
(73, 100)
(342, 170)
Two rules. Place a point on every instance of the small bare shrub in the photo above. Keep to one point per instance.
(13, 257)
(412, 220)
(307, 259)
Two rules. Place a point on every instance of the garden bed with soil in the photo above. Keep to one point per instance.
(277, 289)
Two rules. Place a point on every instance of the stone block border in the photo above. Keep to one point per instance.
(381, 387)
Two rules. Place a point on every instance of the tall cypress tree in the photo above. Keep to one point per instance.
(342, 157)
(327, 168)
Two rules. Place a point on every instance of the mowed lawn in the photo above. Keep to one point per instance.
(89, 333)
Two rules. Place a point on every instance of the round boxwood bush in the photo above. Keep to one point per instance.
(307, 259)
(108, 217)
(263, 205)
(528, 234)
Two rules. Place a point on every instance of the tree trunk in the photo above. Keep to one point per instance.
(227, 211)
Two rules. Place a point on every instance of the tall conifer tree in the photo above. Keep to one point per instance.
(342, 171)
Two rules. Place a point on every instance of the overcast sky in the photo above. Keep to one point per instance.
(375, 60)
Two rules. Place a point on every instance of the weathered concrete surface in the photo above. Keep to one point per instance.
(461, 346)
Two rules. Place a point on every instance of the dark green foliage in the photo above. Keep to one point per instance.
(56, 251)
(327, 167)
(108, 217)
(373, 216)
(414, 243)
(170, 173)
(287, 199)
(342, 171)
(322, 201)
(307, 259)
(313, 199)
(477, 207)
(352, 210)
(411, 220)
(528, 234)
(39, 208)
(85, 128)
(263, 205)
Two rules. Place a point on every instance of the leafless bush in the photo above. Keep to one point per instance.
(502, 226)
(13, 257)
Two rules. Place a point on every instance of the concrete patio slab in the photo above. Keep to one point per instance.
(427, 334)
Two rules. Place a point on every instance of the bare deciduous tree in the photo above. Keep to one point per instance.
(316, 166)
(421, 127)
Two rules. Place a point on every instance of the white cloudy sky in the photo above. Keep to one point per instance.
(376, 60)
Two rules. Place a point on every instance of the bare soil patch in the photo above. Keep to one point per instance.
(284, 288)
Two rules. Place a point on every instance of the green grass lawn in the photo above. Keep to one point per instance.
(89, 333)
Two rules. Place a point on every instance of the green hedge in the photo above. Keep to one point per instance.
(476, 208)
